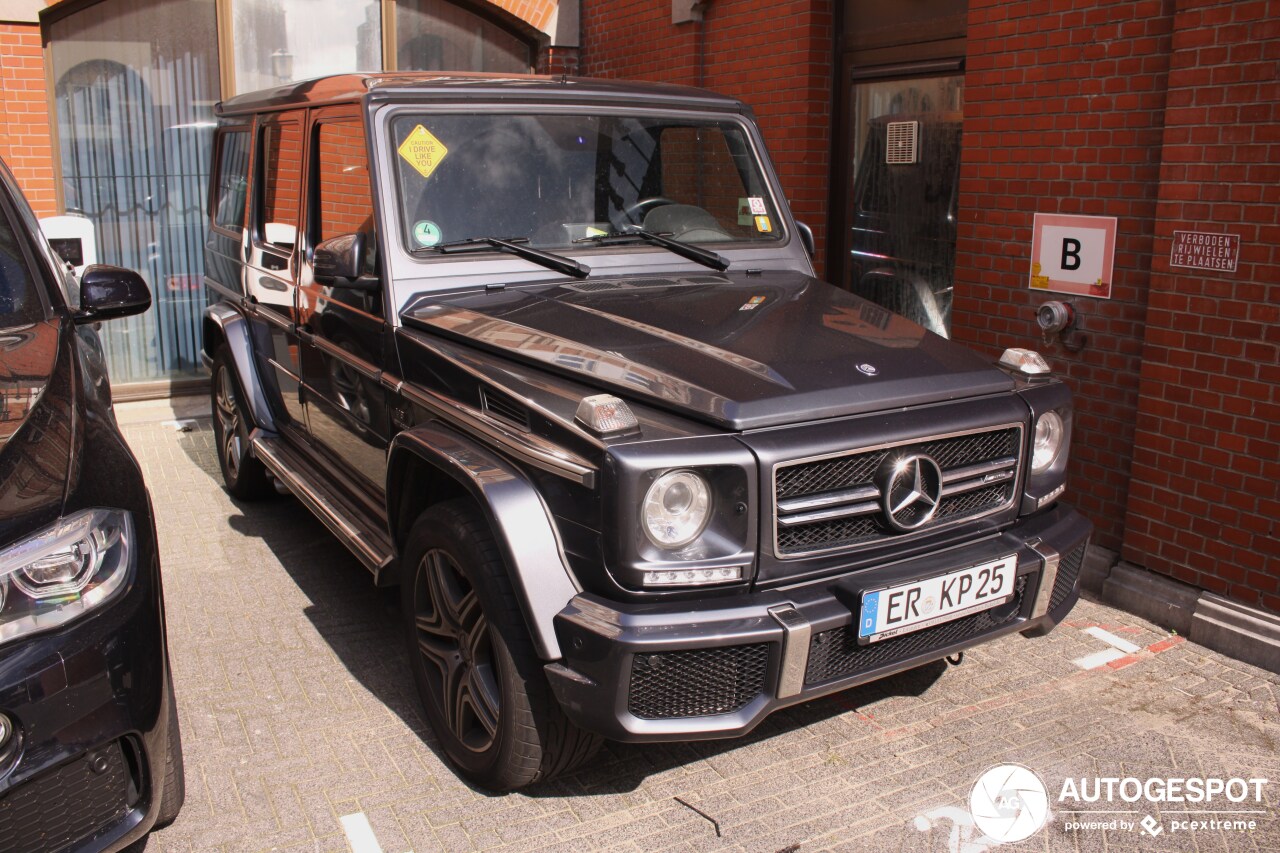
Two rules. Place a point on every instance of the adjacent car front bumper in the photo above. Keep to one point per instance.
(679, 672)
(88, 704)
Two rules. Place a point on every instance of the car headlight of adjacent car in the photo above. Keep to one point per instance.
(54, 576)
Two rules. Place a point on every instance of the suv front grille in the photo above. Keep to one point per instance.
(837, 653)
(835, 502)
(697, 682)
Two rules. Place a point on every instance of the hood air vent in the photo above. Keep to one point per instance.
(505, 407)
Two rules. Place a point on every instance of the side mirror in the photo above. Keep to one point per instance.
(108, 292)
(339, 262)
(806, 237)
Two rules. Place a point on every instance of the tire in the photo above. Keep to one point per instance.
(480, 680)
(174, 792)
(243, 474)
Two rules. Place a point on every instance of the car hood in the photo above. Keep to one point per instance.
(740, 350)
(36, 394)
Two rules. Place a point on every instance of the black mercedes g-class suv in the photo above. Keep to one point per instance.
(549, 354)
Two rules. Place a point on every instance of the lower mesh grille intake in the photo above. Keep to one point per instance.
(67, 804)
(697, 682)
(1068, 571)
(837, 654)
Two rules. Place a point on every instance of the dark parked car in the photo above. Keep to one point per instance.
(549, 355)
(90, 754)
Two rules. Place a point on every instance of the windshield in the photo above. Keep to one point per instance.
(554, 179)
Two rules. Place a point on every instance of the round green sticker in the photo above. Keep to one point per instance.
(426, 232)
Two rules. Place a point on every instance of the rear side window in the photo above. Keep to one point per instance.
(232, 180)
(281, 185)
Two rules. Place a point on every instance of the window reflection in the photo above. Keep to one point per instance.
(436, 35)
(279, 41)
(906, 165)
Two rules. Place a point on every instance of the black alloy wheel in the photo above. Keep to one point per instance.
(457, 651)
(481, 682)
(244, 474)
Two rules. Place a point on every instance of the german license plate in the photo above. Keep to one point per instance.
(909, 607)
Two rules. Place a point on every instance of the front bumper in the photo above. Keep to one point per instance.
(715, 668)
(89, 704)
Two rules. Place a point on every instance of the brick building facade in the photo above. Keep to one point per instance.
(1161, 113)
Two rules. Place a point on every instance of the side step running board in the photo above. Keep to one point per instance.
(370, 545)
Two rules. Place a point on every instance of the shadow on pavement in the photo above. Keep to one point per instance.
(363, 627)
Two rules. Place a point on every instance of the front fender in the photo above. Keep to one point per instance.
(519, 518)
(234, 329)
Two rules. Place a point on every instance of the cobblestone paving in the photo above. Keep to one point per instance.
(297, 709)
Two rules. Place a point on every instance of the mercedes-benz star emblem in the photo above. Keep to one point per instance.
(910, 490)
(868, 369)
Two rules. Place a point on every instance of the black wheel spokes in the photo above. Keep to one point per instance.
(229, 419)
(453, 639)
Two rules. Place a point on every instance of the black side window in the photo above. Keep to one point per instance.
(232, 180)
(20, 302)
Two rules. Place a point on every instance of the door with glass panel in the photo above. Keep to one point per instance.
(341, 329)
(904, 165)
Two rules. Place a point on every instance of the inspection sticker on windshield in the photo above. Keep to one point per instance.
(763, 225)
(422, 151)
(426, 232)
(752, 303)
(757, 206)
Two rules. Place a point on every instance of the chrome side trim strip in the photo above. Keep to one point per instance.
(533, 449)
(796, 634)
(359, 365)
(1048, 576)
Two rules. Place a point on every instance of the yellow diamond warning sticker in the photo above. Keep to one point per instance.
(423, 151)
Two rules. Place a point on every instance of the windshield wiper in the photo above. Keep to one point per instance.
(706, 257)
(512, 246)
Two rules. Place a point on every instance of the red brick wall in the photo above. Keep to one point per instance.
(1064, 106)
(25, 143)
(1205, 496)
(775, 56)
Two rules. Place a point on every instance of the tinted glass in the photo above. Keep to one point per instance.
(557, 178)
(344, 204)
(281, 184)
(20, 302)
(233, 179)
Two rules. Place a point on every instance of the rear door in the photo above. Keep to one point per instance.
(341, 322)
(273, 251)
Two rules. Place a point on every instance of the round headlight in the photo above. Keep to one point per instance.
(1050, 431)
(676, 509)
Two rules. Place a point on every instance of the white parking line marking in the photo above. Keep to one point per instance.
(1112, 640)
(1098, 659)
(360, 834)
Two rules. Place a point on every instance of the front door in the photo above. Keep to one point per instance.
(341, 322)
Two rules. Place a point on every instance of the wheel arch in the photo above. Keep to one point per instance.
(432, 463)
(225, 325)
